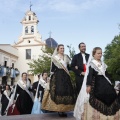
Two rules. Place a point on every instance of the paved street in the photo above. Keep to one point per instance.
(51, 116)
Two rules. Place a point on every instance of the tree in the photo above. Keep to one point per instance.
(112, 58)
(71, 54)
(43, 62)
(71, 51)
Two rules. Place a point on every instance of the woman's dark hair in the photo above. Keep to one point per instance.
(59, 46)
(44, 72)
(39, 76)
(29, 80)
(95, 49)
(24, 73)
(80, 44)
(8, 87)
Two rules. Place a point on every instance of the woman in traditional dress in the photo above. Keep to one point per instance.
(98, 99)
(43, 83)
(23, 97)
(5, 99)
(61, 96)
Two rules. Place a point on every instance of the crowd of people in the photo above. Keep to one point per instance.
(93, 97)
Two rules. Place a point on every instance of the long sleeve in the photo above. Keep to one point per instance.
(73, 64)
(90, 76)
(30, 88)
(16, 92)
(68, 67)
(10, 94)
(34, 86)
(53, 67)
(1, 98)
(38, 93)
(108, 75)
(2, 91)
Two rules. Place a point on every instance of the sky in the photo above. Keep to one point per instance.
(94, 22)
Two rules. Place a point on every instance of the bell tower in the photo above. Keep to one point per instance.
(29, 44)
(30, 33)
(29, 23)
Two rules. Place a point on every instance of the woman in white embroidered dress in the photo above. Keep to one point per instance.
(61, 94)
(98, 99)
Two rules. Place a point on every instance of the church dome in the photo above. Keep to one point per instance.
(50, 42)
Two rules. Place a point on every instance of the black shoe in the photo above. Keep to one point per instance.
(62, 114)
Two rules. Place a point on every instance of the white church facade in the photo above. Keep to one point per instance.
(30, 43)
(28, 47)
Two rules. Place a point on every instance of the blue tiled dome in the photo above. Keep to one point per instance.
(50, 42)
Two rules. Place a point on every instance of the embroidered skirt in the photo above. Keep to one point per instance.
(48, 104)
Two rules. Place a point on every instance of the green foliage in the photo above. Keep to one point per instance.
(72, 76)
(71, 54)
(71, 51)
(112, 58)
(42, 63)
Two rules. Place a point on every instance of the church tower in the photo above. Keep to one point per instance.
(30, 31)
(30, 23)
(29, 43)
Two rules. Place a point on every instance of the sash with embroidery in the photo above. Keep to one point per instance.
(25, 87)
(96, 68)
(11, 101)
(6, 94)
(43, 83)
(60, 63)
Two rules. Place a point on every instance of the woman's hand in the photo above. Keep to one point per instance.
(88, 89)
(48, 80)
(14, 101)
(76, 67)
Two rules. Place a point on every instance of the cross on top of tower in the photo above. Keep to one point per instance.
(30, 5)
(50, 33)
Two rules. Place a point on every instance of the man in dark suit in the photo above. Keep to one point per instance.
(78, 65)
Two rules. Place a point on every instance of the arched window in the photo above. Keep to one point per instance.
(32, 29)
(29, 17)
(26, 29)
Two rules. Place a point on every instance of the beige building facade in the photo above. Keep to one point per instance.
(8, 56)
